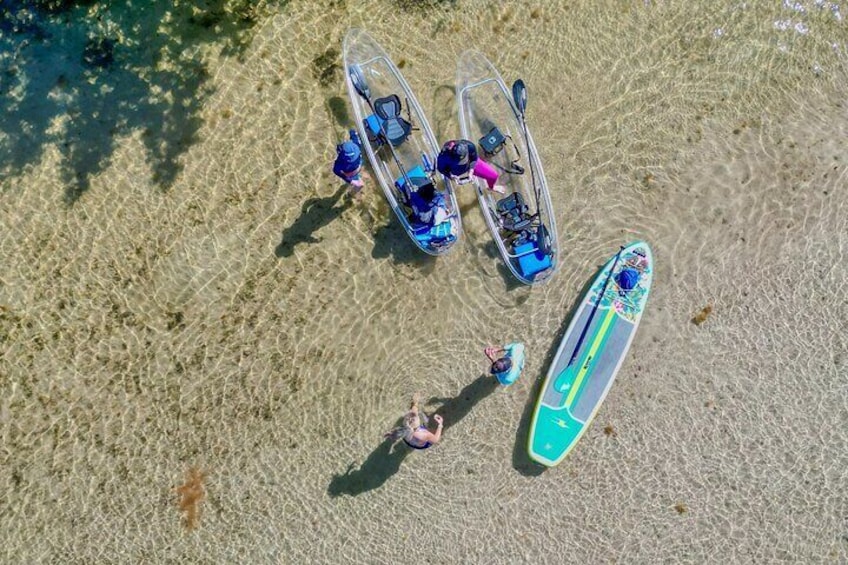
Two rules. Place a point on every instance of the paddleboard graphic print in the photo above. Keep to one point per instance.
(590, 354)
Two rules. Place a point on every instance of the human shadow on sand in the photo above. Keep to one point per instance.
(521, 461)
(337, 107)
(314, 214)
(384, 462)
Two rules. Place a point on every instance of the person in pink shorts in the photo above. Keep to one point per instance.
(458, 160)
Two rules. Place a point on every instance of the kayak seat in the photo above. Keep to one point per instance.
(513, 213)
(394, 127)
(531, 260)
(512, 204)
(374, 128)
(518, 226)
(493, 143)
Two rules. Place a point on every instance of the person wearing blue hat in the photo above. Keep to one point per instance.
(348, 165)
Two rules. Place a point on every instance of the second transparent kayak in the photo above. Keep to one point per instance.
(521, 220)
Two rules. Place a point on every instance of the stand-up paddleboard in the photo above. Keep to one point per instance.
(590, 354)
(400, 145)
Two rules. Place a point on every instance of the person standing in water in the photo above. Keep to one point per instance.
(458, 160)
(348, 164)
(414, 432)
(507, 362)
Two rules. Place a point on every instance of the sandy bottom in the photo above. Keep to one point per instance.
(251, 321)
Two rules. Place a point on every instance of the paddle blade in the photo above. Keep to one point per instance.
(519, 94)
(358, 80)
(544, 240)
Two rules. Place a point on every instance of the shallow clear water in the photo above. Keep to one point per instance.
(253, 322)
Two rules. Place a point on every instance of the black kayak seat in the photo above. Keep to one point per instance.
(513, 213)
(512, 204)
(518, 226)
(395, 128)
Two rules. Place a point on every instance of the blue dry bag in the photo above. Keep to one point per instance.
(627, 279)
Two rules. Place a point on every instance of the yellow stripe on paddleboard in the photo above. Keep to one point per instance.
(596, 343)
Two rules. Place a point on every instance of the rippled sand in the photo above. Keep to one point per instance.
(254, 323)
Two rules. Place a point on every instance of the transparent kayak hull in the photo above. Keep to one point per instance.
(405, 163)
(488, 117)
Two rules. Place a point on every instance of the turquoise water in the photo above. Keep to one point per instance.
(185, 284)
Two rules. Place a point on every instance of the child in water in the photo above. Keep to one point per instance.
(348, 164)
(507, 362)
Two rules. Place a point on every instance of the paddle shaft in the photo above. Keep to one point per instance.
(519, 96)
(530, 159)
(594, 309)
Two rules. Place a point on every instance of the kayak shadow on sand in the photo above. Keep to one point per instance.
(443, 117)
(521, 461)
(381, 464)
(391, 240)
(485, 252)
(314, 214)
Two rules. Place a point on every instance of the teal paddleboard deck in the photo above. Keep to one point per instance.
(590, 354)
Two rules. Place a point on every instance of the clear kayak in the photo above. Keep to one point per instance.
(521, 220)
(400, 145)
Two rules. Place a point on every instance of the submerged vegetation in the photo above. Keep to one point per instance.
(191, 494)
(702, 316)
(79, 73)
